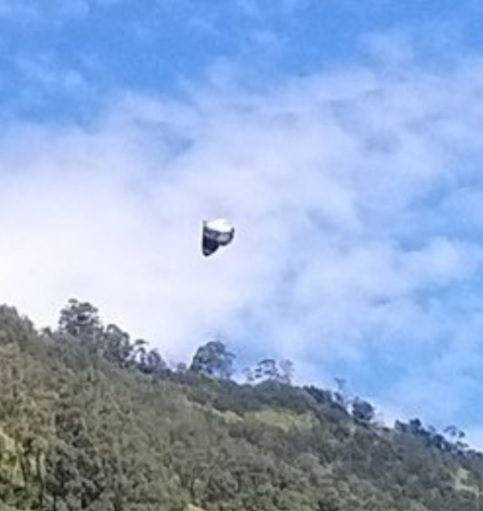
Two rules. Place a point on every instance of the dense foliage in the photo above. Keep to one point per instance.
(90, 419)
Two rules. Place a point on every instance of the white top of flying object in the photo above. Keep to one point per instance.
(217, 232)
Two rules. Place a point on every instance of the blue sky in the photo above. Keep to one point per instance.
(99, 46)
(342, 137)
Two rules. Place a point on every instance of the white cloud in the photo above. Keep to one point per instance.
(333, 181)
(41, 74)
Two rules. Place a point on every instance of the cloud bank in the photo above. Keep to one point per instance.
(356, 194)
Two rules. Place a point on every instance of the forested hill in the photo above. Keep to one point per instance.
(90, 419)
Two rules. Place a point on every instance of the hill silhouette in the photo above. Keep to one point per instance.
(93, 420)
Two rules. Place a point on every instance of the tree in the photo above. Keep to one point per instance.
(266, 369)
(269, 369)
(454, 432)
(321, 396)
(213, 359)
(286, 371)
(340, 395)
(81, 319)
(152, 362)
(362, 411)
(118, 348)
(415, 427)
(181, 367)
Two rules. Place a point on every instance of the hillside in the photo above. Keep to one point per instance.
(90, 419)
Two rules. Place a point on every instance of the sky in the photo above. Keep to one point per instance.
(343, 140)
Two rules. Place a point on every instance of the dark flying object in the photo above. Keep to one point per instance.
(216, 233)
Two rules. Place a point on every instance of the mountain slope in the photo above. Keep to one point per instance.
(81, 428)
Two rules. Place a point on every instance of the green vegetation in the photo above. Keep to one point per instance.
(91, 420)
